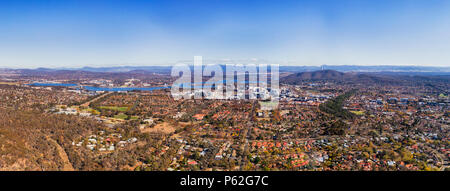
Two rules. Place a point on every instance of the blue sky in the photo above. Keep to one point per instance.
(64, 33)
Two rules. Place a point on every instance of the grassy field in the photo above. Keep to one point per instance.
(9, 83)
(115, 108)
(164, 127)
(358, 112)
(93, 111)
(121, 116)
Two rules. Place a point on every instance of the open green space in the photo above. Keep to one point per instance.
(121, 116)
(358, 112)
(115, 108)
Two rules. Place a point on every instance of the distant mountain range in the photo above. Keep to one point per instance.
(394, 70)
(155, 69)
(319, 75)
(384, 69)
(323, 75)
(357, 77)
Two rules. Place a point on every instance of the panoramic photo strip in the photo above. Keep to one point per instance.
(224, 94)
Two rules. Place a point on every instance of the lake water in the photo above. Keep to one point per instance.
(118, 89)
(93, 88)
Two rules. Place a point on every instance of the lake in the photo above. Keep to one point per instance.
(93, 88)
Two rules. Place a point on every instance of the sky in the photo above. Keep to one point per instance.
(100, 33)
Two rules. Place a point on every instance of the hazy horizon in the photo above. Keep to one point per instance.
(170, 65)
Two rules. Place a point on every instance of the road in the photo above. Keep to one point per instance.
(95, 99)
(67, 166)
(246, 134)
